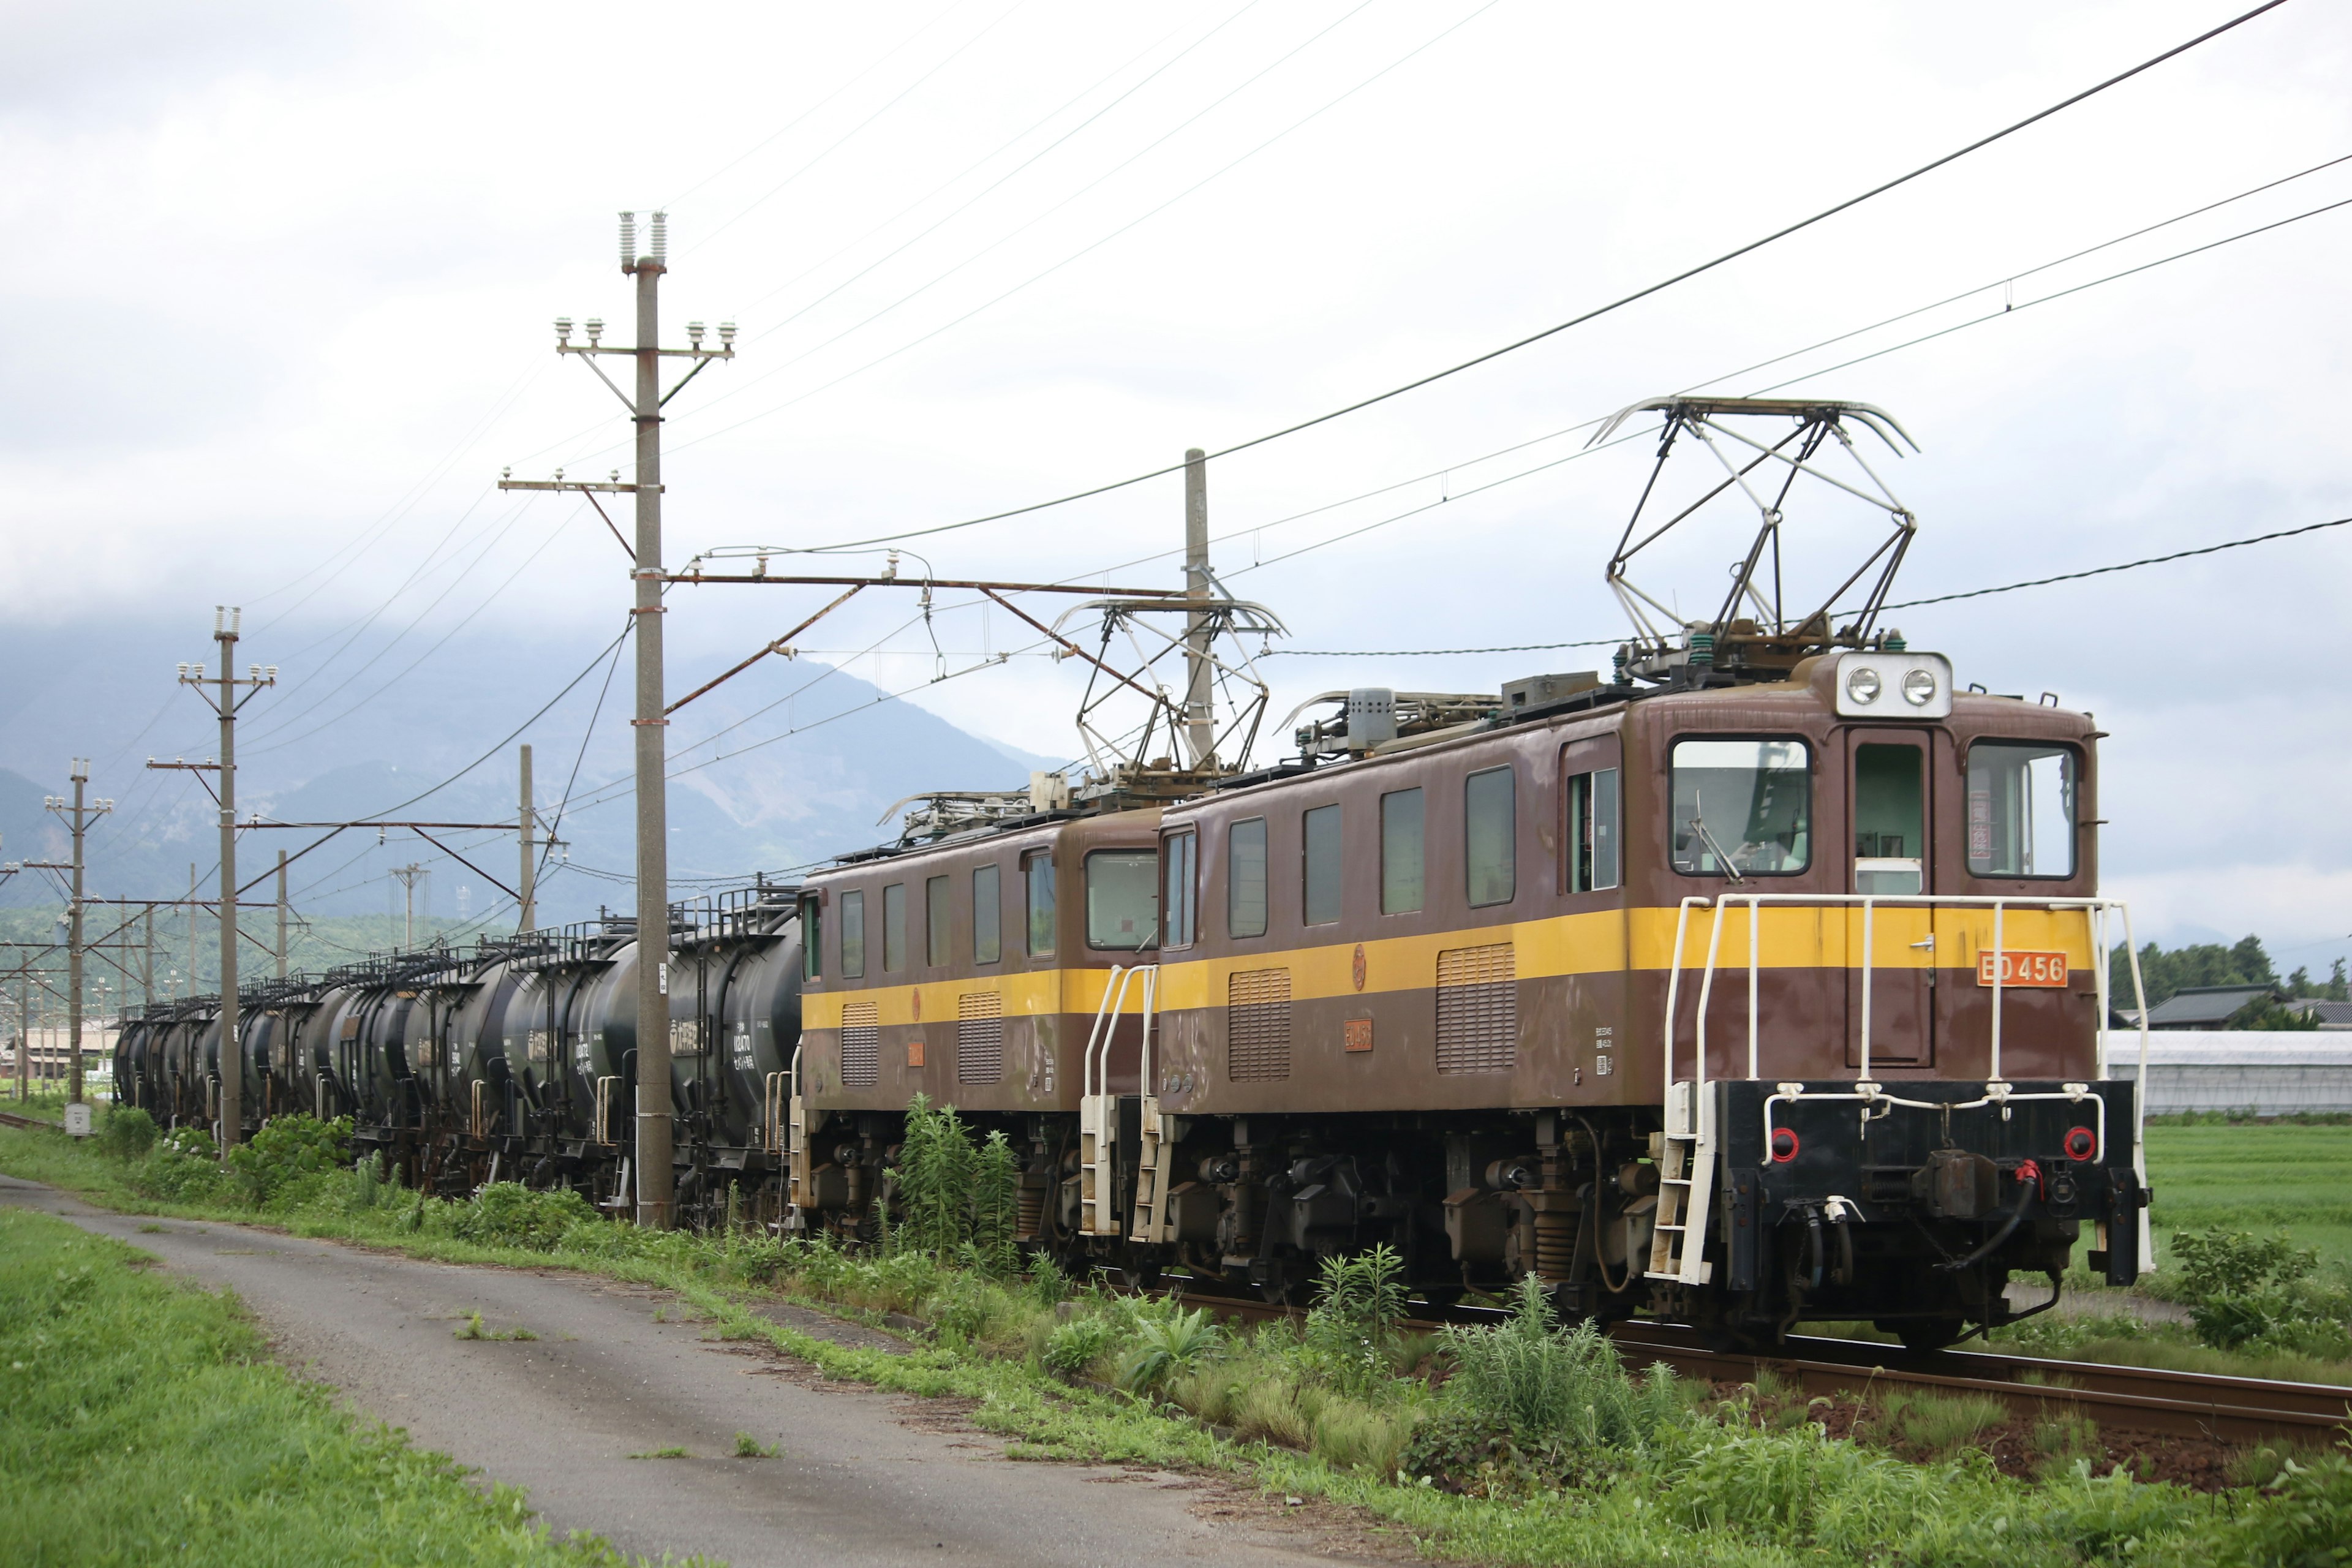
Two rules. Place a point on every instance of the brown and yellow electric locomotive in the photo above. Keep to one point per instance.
(1751, 1002)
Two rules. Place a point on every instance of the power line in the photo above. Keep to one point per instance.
(1905, 605)
(1082, 251)
(1593, 314)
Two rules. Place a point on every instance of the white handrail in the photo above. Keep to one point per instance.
(1998, 903)
(1674, 987)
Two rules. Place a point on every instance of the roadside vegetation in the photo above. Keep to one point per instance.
(142, 1421)
(1525, 1442)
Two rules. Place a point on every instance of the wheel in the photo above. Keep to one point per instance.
(1922, 1334)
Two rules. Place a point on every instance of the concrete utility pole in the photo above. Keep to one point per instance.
(408, 876)
(281, 914)
(1200, 712)
(527, 918)
(234, 692)
(652, 1157)
(147, 966)
(78, 813)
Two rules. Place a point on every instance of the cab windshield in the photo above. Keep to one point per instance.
(1122, 897)
(1742, 807)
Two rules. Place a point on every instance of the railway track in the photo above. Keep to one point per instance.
(2137, 1399)
(7, 1119)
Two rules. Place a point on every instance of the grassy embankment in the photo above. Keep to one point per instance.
(142, 1421)
(1537, 1448)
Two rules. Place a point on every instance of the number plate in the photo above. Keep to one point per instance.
(2046, 970)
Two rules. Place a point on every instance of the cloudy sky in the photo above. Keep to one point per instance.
(285, 275)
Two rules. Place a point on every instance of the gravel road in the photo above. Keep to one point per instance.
(860, 1477)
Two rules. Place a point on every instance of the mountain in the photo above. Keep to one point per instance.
(809, 759)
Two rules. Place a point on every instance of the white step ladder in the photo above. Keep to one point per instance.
(1686, 1188)
(1152, 1160)
(1098, 1108)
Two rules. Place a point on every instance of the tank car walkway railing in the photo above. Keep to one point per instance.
(1687, 1176)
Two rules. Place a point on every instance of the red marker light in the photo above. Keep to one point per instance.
(1784, 1145)
(2081, 1144)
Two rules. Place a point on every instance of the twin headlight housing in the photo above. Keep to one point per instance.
(1895, 686)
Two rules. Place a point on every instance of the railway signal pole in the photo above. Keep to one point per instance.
(646, 265)
(234, 692)
(78, 813)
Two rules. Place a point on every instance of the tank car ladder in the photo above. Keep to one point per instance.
(1687, 1158)
(1098, 1108)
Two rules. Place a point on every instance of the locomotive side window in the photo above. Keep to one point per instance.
(1319, 867)
(1180, 900)
(935, 920)
(1245, 878)
(852, 936)
(1742, 806)
(2022, 809)
(812, 938)
(1490, 845)
(894, 928)
(987, 915)
(1122, 897)
(1592, 831)
(1037, 868)
(1402, 860)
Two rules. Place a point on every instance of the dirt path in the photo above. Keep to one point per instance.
(860, 1477)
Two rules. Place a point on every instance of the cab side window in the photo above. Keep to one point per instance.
(1592, 831)
(1490, 844)
(894, 928)
(1037, 872)
(1320, 864)
(987, 915)
(812, 938)
(852, 936)
(936, 915)
(1245, 878)
(1179, 899)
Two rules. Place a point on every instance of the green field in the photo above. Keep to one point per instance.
(2257, 1177)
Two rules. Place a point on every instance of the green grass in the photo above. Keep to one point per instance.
(140, 1420)
(2255, 1177)
(1704, 1484)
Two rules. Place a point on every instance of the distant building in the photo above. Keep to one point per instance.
(2331, 1015)
(2201, 1006)
(2264, 1073)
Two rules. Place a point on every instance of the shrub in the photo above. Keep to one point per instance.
(1078, 1344)
(508, 1214)
(1547, 1385)
(288, 1150)
(1352, 1325)
(183, 1167)
(935, 1181)
(1170, 1348)
(996, 1207)
(126, 1132)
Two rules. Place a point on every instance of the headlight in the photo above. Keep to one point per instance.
(1862, 685)
(1919, 688)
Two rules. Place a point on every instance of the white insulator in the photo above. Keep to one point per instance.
(661, 237)
(628, 240)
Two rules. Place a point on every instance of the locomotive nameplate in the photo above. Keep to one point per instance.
(1358, 1033)
(2045, 970)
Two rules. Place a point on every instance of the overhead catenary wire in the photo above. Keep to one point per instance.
(1589, 315)
(1901, 604)
(1074, 257)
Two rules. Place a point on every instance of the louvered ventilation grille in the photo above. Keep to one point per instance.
(979, 1037)
(1258, 1026)
(861, 1045)
(1478, 1009)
